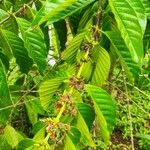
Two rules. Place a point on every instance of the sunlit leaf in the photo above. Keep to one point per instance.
(105, 109)
(130, 16)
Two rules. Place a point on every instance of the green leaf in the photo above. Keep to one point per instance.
(74, 135)
(146, 4)
(40, 135)
(69, 54)
(90, 11)
(4, 60)
(130, 16)
(87, 70)
(3, 143)
(11, 25)
(34, 42)
(57, 10)
(33, 116)
(105, 110)
(87, 111)
(131, 67)
(83, 128)
(47, 90)
(37, 127)
(146, 39)
(61, 30)
(69, 144)
(15, 45)
(5, 99)
(25, 143)
(3, 14)
(102, 65)
(11, 136)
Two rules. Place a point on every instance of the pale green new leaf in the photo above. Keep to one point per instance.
(5, 99)
(59, 9)
(68, 145)
(131, 67)
(105, 110)
(34, 42)
(70, 53)
(12, 43)
(47, 90)
(102, 65)
(130, 16)
(85, 134)
(11, 136)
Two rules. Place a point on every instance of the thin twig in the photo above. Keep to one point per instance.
(126, 95)
(129, 112)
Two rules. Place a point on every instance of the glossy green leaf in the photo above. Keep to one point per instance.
(5, 99)
(105, 110)
(86, 111)
(130, 16)
(74, 135)
(14, 44)
(131, 67)
(57, 10)
(70, 53)
(47, 89)
(34, 42)
(85, 134)
(102, 65)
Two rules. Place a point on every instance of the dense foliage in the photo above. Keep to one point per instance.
(73, 73)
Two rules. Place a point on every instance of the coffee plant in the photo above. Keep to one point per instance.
(59, 61)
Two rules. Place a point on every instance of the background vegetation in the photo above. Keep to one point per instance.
(74, 74)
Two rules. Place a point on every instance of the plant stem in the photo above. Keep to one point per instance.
(60, 112)
(71, 90)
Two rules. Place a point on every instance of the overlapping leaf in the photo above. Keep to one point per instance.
(15, 45)
(85, 134)
(34, 42)
(57, 10)
(131, 67)
(5, 99)
(69, 54)
(105, 109)
(130, 16)
(47, 89)
(87, 111)
(102, 65)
